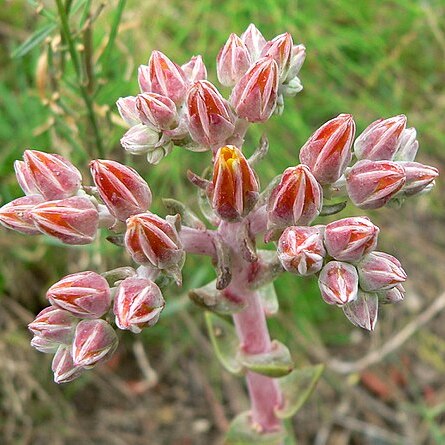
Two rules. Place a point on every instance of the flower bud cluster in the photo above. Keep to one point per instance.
(178, 106)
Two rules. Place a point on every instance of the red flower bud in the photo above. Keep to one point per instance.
(153, 240)
(63, 366)
(254, 97)
(84, 294)
(254, 41)
(380, 271)
(349, 239)
(233, 61)
(52, 175)
(138, 304)
(380, 140)
(393, 295)
(301, 250)
(121, 188)
(328, 151)
(53, 324)
(24, 178)
(15, 215)
(280, 48)
(94, 342)
(162, 76)
(195, 69)
(156, 111)
(338, 283)
(234, 190)
(418, 177)
(211, 121)
(127, 109)
(363, 311)
(72, 220)
(408, 146)
(371, 184)
(296, 200)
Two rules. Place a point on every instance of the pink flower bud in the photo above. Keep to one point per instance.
(233, 61)
(195, 69)
(127, 109)
(296, 200)
(63, 366)
(297, 59)
(371, 184)
(338, 283)
(254, 41)
(280, 48)
(140, 139)
(234, 188)
(301, 250)
(24, 178)
(72, 220)
(15, 214)
(363, 311)
(94, 341)
(138, 304)
(211, 121)
(54, 324)
(380, 140)
(121, 188)
(44, 345)
(162, 76)
(379, 271)
(52, 175)
(393, 295)
(153, 240)
(418, 177)
(254, 97)
(83, 294)
(328, 151)
(349, 239)
(408, 146)
(156, 111)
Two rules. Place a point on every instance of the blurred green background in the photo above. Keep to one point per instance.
(368, 58)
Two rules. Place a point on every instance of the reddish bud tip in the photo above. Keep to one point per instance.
(15, 215)
(195, 69)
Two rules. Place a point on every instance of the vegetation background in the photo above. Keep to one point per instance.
(368, 58)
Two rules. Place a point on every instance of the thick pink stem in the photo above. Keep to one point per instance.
(254, 335)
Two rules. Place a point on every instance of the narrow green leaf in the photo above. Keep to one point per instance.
(224, 341)
(38, 37)
(276, 363)
(241, 432)
(297, 387)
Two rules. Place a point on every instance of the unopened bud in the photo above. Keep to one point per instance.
(195, 69)
(53, 324)
(153, 240)
(371, 184)
(297, 59)
(24, 178)
(381, 139)
(234, 188)
(254, 97)
(393, 295)
(349, 239)
(301, 250)
(94, 342)
(211, 121)
(84, 294)
(156, 111)
(121, 188)
(408, 146)
(63, 366)
(418, 177)
(296, 200)
(328, 151)
(338, 283)
(280, 48)
(380, 271)
(254, 41)
(127, 109)
(233, 61)
(15, 214)
(363, 311)
(140, 139)
(52, 175)
(138, 304)
(44, 345)
(72, 220)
